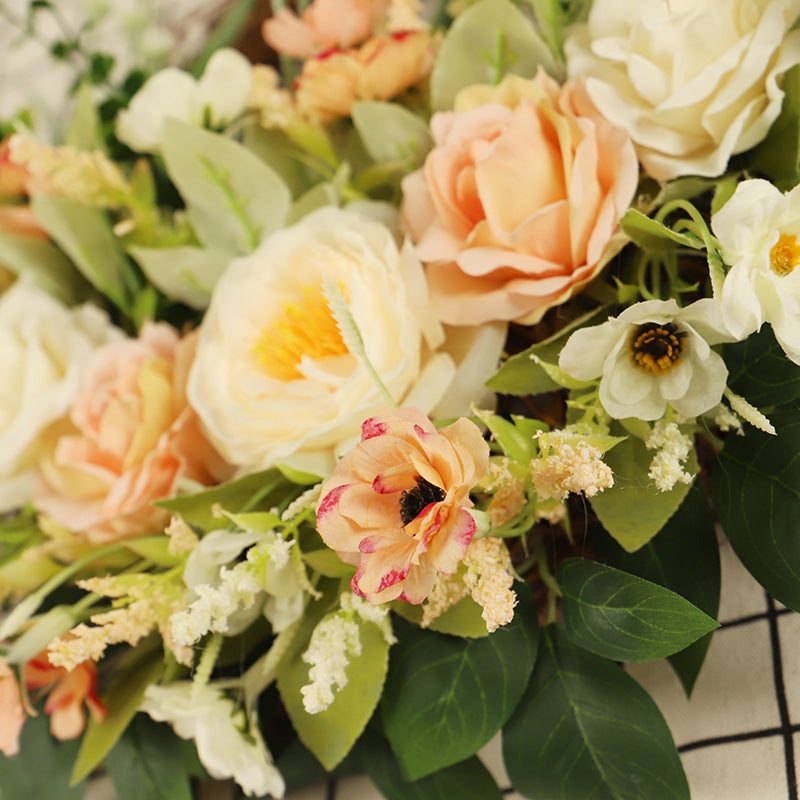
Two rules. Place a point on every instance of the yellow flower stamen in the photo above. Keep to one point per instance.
(305, 328)
(656, 348)
(784, 255)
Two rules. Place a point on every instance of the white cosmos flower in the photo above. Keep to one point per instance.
(653, 354)
(758, 229)
(273, 381)
(229, 744)
(218, 97)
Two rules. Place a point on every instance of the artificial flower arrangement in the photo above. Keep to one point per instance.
(355, 412)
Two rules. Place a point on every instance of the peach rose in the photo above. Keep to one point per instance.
(325, 24)
(380, 69)
(12, 713)
(69, 690)
(136, 438)
(517, 206)
(397, 503)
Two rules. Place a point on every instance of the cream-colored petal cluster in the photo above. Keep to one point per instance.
(571, 467)
(673, 446)
(489, 578)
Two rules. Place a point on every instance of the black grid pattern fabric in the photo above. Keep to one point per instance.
(739, 734)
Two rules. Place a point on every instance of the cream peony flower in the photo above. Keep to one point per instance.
(44, 348)
(758, 229)
(653, 354)
(273, 381)
(693, 81)
(218, 97)
(229, 744)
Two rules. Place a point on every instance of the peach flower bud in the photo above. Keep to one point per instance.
(325, 24)
(517, 206)
(380, 69)
(69, 690)
(396, 505)
(135, 438)
(12, 713)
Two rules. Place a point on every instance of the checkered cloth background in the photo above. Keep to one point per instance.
(738, 734)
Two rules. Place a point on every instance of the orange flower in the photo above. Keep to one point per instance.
(12, 714)
(69, 690)
(397, 503)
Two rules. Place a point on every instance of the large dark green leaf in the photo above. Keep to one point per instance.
(623, 617)
(42, 767)
(760, 371)
(585, 728)
(468, 780)
(146, 763)
(453, 693)
(684, 557)
(756, 492)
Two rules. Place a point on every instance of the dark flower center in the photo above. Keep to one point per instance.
(412, 501)
(657, 347)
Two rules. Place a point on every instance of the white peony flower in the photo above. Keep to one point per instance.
(44, 347)
(229, 744)
(692, 81)
(273, 381)
(217, 98)
(653, 354)
(758, 229)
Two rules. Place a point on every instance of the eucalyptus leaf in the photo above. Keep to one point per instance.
(85, 235)
(234, 199)
(273, 148)
(390, 132)
(186, 274)
(755, 489)
(488, 32)
(455, 694)
(585, 728)
(683, 557)
(633, 510)
(467, 780)
(623, 617)
(319, 196)
(146, 763)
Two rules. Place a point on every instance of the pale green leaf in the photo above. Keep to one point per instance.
(84, 131)
(319, 196)
(650, 234)
(153, 548)
(392, 133)
(327, 563)
(463, 619)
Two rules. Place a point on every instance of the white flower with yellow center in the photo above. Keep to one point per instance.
(273, 381)
(758, 229)
(652, 355)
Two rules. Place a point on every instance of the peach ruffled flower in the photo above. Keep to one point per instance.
(69, 690)
(12, 712)
(397, 504)
(517, 206)
(380, 69)
(131, 440)
(325, 24)
(16, 183)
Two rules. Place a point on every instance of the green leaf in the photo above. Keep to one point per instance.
(330, 734)
(455, 694)
(122, 701)
(472, 40)
(623, 617)
(755, 489)
(463, 619)
(633, 510)
(760, 372)
(683, 557)
(41, 768)
(85, 235)
(327, 563)
(234, 199)
(274, 148)
(187, 274)
(43, 261)
(319, 196)
(515, 443)
(244, 494)
(153, 548)
(467, 780)
(585, 728)
(146, 763)
(84, 131)
(391, 133)
(652, 235)
(224, 33)
(523, 373)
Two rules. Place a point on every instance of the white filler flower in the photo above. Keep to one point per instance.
(758, 229)
(653, 354)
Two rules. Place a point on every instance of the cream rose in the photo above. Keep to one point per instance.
(273, 381)
(517, 205)
(44, 347)
(693, 81)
